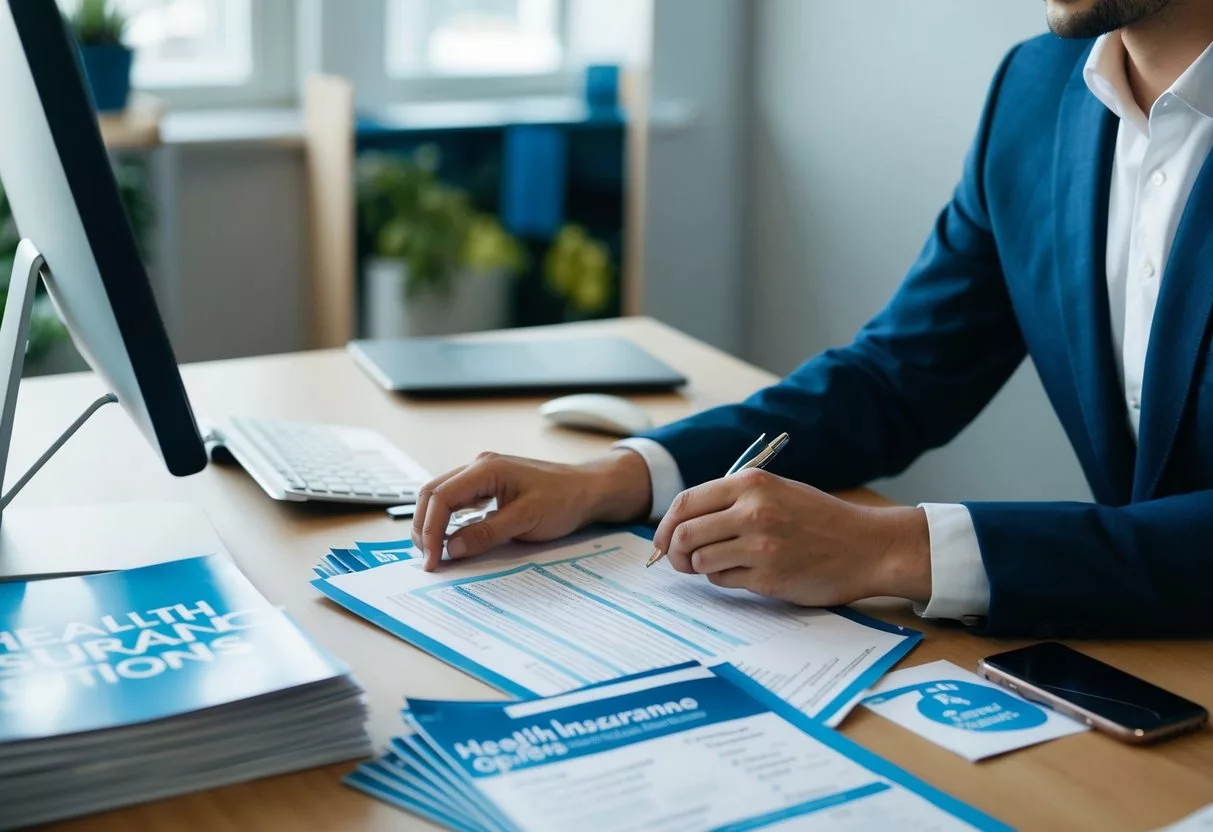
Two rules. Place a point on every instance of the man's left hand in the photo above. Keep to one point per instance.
(786, 540)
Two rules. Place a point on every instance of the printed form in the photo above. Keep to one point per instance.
(685, 748)
(542, 621)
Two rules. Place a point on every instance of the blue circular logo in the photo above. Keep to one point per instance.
(969, 707)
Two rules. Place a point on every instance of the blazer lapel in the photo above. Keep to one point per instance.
(1177, 333)
(1086, 142)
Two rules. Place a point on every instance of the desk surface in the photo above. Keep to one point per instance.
(1085, 781)
(135, 128)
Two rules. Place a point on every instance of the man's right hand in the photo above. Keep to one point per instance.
(536, 501)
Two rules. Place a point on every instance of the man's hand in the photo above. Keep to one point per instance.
(779, 538)
(536, 501)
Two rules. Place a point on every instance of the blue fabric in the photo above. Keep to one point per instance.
(1015, 268)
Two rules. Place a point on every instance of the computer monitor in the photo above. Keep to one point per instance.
(56, 172)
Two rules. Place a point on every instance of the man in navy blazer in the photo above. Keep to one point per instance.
(1081, 235)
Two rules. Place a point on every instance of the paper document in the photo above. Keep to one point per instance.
(684, 748)
(540, 621)
(1199, 821)
(963, 712)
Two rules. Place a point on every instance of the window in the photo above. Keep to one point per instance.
(511, 37)
(211, 52)
(474, 37)
(181, 43)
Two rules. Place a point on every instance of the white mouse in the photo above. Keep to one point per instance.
(596, 412)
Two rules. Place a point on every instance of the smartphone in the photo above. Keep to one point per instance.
(1107, 699)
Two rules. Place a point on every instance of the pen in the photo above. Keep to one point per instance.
(745, 462)
(750, 452)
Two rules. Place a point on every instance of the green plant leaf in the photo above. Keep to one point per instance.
(98, 23)
(578, 270)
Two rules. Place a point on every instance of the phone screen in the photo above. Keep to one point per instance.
(1095, 686)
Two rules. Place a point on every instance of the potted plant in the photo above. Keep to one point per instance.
(437, 266)
(578, 270)
(99, 27)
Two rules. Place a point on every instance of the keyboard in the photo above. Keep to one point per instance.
(301, 461)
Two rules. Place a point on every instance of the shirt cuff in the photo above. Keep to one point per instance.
(664, 476)
(960, 588)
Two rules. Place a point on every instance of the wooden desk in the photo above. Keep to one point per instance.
(135, 128)
(1085, 781)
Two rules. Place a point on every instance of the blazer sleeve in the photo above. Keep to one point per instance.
(915, 375)
(1084, 570)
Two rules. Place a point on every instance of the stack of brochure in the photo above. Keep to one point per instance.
(130, 686)
(687, 747)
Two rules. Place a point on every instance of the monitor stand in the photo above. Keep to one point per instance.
(47, 542)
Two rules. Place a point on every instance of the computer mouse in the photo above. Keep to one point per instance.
(598, 413)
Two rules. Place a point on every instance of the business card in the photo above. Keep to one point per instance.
(964, 713)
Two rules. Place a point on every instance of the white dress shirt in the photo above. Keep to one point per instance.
(1157, 160)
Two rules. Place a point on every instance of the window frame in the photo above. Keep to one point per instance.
(272, 79)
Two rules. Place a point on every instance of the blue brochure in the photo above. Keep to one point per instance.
(688, 747)
(145, 644)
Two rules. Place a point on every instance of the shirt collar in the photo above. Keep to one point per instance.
(1108, 81)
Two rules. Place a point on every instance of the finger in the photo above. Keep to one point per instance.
(698, 532)
(513, 521)
(473, 483)
(738, 578)
(423, 499)
(720, 557)
(710, 497)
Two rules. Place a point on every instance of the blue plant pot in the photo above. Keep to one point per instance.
(602, 88)
(108, 70)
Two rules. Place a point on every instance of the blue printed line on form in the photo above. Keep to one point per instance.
(522, 622)
(610, 604)
(639, 596)
(575, 563)
(806, 808)
(425, 593)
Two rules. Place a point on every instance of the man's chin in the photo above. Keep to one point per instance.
(1092, 18)
(1071, 18)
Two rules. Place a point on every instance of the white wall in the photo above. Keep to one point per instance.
(860, 115)
(241, 239)
(694, 200)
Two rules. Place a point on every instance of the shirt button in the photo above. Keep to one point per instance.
(1147, 269)
(1159, 178)
(1134, 402)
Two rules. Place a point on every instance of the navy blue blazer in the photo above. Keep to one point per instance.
(1015, 268)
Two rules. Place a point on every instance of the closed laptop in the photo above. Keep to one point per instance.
(454, 366)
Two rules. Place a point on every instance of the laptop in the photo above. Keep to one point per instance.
(453, 367)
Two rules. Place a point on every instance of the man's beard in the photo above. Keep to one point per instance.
(1103, 17)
